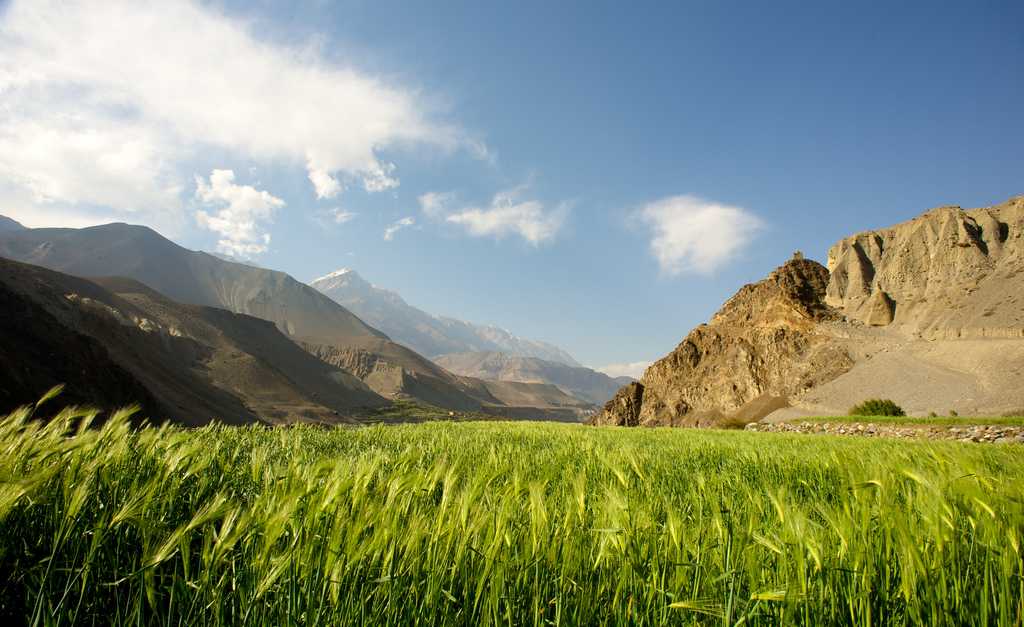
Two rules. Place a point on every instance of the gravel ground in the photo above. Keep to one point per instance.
(964, 433)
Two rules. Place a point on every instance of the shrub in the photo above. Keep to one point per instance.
(953, 413)
(877, 407)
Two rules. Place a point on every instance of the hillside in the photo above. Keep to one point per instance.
(7, 224)
(929, 313)
(185, 363)
(301, 313)
(424, 333)
(186, 276)
(582, 383)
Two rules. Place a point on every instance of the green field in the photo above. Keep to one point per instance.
(503, 523)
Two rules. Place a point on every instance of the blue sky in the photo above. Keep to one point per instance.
(597, 175)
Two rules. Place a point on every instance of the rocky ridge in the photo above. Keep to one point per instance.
(929, 312)
(949, 273)
(764, 345)
(429, 335)
(583, 383)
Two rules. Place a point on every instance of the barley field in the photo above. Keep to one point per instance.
(500, 523)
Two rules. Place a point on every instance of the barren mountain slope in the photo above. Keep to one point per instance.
(929, 313)
(301, 312)
(199, 363)
(426, 334)
(583, 383)
(397, 372)
(948, 273)
(762, 347)
(186, 276)
(7, 224)
(38, 351)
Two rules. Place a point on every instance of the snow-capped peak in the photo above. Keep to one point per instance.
(334, 275)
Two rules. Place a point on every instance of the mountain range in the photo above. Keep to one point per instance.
(928, 313)
(428, 335)
(301, 315)
(117, 342)
(464, 348)
(582, 383)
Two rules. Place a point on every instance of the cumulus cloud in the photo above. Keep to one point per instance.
(398, 225)
(241, 213)
(105, 102)
(694, 235)
(506, 215)
(634, 369)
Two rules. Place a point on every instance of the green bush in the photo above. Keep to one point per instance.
(877, 407)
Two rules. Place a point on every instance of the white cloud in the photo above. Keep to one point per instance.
(505, 215)
(695, 235)
(242, 215)
(435, 204)
(389, 233)
(105, 102)
(634, 369)
(379, 179)
(325, 185)
(341, 216)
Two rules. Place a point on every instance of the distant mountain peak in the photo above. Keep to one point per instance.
(8, 224)
(336, 274)
(427, 334)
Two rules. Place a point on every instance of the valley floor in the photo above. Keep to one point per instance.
(496, 522)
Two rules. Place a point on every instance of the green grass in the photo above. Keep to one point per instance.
(403, 411)
(470, 523)
(939, 421)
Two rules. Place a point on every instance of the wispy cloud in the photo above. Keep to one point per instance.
(106, 103)
(690, 234)
(398, 225)
(341, 216)
(507, 214)
(241, 215)
(633, 369)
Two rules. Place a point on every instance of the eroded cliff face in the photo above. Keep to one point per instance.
(765, 344)
(929, 312)
(948, 273)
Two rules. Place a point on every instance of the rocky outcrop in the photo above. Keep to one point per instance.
(764, 345)
(948, 273)
(929, 313)
(624, 408)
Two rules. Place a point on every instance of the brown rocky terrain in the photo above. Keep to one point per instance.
(929, 313)
(38, 352)
(397, 372)
(946, 274)
(114, 342)
(986, 434)
(583, 383)
(765, 345)
(301, 313)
